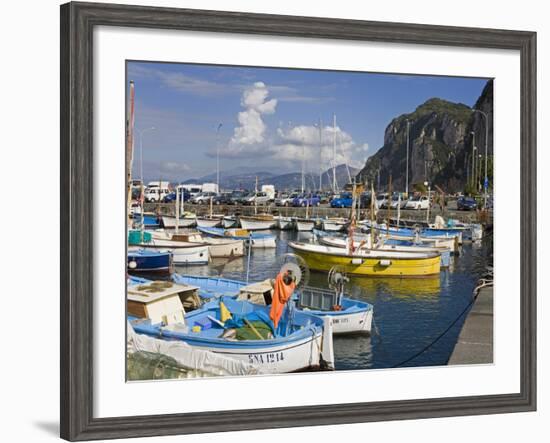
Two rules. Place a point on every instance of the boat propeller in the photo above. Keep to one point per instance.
(296, 266)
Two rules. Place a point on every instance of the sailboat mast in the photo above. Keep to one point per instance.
(130, 149)
(321, 155)
(218, 157)
(334, 153)
(303, 163)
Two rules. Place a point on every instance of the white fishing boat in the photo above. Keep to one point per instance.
(304, 224)
(304, 344)
(211, 221)
(186, 220)
(334, 224)
(283, 223)
(258, 222)
(229, 221)
(254, 239)
(183, 253)
(218, 247)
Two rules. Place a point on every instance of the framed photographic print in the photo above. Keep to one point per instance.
(273, 221)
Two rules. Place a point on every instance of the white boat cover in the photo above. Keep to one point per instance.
(201, 363)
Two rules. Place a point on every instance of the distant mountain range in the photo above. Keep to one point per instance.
(246, 179)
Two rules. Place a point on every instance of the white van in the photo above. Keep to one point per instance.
(155, 193)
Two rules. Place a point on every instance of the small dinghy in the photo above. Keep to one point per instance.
(260, 222)
(143, 260)
(254, 239)
(186, 220)
(304, 224)
(334, 224)
(218, 247)
(283, 223)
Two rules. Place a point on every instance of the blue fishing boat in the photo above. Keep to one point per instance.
(140, 260)
(254, 239)
(244, 331)
(149, 220)
(349, 316)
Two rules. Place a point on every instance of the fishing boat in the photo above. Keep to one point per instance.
(150, 220)
(370, 262)
(244, 331)
(186, 220)
(210, 221)
(218, 247)
(349, 316)
(304, 224)
(143, 260)
(229, 221)
(283, 223)
(334, 224)
(182, 253)
(363, 242)
(254, 239)
(258, 222)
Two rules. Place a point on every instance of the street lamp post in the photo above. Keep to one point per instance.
(141, 132)
(473, 178)
(486, 179)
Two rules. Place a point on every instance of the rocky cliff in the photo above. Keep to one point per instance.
(440, 144)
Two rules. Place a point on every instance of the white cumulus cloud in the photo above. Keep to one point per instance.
(317, 147)
(250, 134)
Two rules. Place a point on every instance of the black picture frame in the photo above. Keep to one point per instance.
(77, 218)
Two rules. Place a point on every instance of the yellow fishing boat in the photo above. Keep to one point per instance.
(369, 262)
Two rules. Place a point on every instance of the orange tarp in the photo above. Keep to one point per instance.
(281, 294)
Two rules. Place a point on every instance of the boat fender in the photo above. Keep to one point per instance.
(385, 262)
(356, 261)
(132, 264)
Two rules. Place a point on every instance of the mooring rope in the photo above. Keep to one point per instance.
(484, 283)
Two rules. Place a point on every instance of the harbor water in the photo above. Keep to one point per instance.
(410, 314)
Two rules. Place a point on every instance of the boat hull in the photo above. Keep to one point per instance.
(305, 225)
(284, 223)
(250, 224)
(281, 359)
(229, 223)
(184, 222)
(221, 248)
(375, 266)
(332, 226)
(188, 254)
(208, 222)
(149, 261)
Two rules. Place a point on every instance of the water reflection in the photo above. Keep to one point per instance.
(408, 312)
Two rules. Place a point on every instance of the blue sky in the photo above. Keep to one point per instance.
(270, 117)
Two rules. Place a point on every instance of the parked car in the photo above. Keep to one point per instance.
(285, 199)
(258, 198)
(222, 199)
(381, 200)
(466, 204)
(203, 198)
(325, 197)
(238, 197)
(170, 198)
(343, 200)
(418, 202)
(306, 200)
(396, 202)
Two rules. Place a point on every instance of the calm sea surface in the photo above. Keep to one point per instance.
(409, 314)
